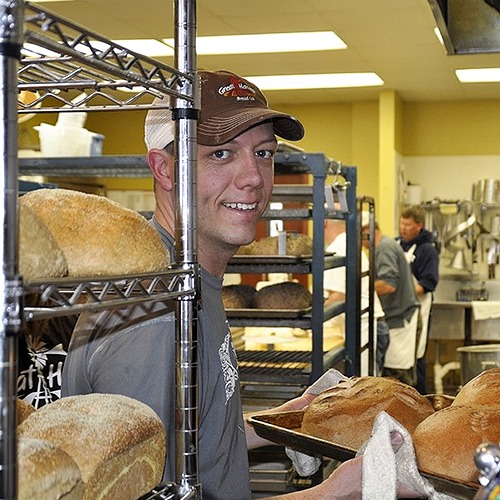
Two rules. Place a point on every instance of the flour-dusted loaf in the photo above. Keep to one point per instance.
(39, 253)
(446, 441)
(97, 235)
(117, 442)
(483, 389)
(345, 413)
(285, 295)
(23, 410)
(46, 472)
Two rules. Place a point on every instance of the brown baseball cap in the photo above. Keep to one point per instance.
(229, 106)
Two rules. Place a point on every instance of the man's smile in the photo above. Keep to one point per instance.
(241, 206)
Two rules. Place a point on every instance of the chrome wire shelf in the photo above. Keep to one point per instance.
(60, 57)
(71, 295)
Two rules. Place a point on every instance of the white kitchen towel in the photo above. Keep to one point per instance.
(304, 464)
(485, 309)
(383, 467)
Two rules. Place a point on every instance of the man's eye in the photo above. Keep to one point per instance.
(265, 153)
(221, 154)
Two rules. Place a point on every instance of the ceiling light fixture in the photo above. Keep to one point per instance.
(439, 35)
(316, 81)
(478, 75)
(266, 43)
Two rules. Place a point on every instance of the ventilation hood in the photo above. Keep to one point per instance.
(468, 26)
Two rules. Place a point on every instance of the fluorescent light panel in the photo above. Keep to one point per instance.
(439, 36)
(478, 75)
(316, 81)
(266, 43)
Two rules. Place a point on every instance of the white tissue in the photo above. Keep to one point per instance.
(306, 465)
(383, 467)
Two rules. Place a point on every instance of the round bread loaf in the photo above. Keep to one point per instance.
(296, 244)
(238, 296)
(117, 442)
(285, 295)
(483, 389)
(97, 235)
(39, 254)
(24, 410)
(46, 472)
(247, 249)
(345, 413)
(445, 442)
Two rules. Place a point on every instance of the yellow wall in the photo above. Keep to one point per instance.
(451, 128)
(351, 132)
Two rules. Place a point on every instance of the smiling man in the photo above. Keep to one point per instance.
(132, 351)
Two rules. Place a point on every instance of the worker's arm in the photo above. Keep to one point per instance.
(383, 288)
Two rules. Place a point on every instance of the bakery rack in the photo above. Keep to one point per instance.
(270, 368)
(57, 60)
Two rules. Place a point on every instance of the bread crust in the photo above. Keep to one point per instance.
(46, 472)
(285, 295)
(345, 413)
(445, 442)
(24, 410)
(483, 389)
(296, 244)
(39, 253)
(117, 442)
(97, 235)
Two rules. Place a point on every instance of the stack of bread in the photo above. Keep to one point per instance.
(94, 446)
(445, 436)
(65, 232)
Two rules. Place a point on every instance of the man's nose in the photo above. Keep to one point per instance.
(250, 172)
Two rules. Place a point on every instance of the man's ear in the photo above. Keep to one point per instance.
(162, 166)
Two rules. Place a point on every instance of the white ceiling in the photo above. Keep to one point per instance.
(394, 38)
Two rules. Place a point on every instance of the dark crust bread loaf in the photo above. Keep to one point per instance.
(97, 235)
(238, 296)
(483, 389)
(345, 413)
(46, 472)
(285, 295)
(446, 441)
(117, 442)
(39, 253)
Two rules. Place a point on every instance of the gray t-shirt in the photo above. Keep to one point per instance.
(392, 267)
(131, 351)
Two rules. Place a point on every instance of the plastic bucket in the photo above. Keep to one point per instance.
(477, 358)
(56, 141)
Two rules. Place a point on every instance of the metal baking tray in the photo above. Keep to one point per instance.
(267, 313)
(284, 429)
(274, 259)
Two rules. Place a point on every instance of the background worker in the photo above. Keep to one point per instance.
(394, 286)
(334, 283)
(422, 253)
